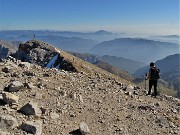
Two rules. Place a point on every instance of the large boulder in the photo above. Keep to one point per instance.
(15, 86)
(31, 108)
(32, 127)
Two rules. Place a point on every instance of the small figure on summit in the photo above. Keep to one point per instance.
(34, 36)
(153, 76)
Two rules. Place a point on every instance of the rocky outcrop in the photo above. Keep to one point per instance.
(43, 54)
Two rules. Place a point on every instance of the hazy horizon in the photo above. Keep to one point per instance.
(155, 17)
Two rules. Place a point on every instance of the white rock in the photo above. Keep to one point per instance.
(130, 87)
(1, 98)
(25, 65)
(128, 93)
(84, 129)
(80, 99)
(9, 98)
(54, 115)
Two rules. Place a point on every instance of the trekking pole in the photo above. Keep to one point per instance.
(145, 80)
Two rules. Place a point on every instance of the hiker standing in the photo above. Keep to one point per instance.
(34, 36)
(153, 76)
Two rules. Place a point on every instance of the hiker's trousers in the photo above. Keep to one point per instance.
(153, 83)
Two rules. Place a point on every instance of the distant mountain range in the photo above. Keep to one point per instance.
(69, 43)
(102, 42)
(166, 64)
(137, 49)
(125, 64)
(101, 35)
(167, 38)
(24, 35)
(173, 79)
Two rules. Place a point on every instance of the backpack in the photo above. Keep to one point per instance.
(155, 73)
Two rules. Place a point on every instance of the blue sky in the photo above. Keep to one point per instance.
(131, 16)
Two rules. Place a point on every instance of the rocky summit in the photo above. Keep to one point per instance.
(46, 91)
(45, 55)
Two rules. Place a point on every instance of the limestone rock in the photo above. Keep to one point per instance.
(54, 115)
(25, 65)
(41, 85)
(128, 93)
(15, 86)
(28, 85)
(9, 98)
(32, 127)
(130, 87)
(8, 121)
(84, 129)
(80, 98)
(31, 108)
